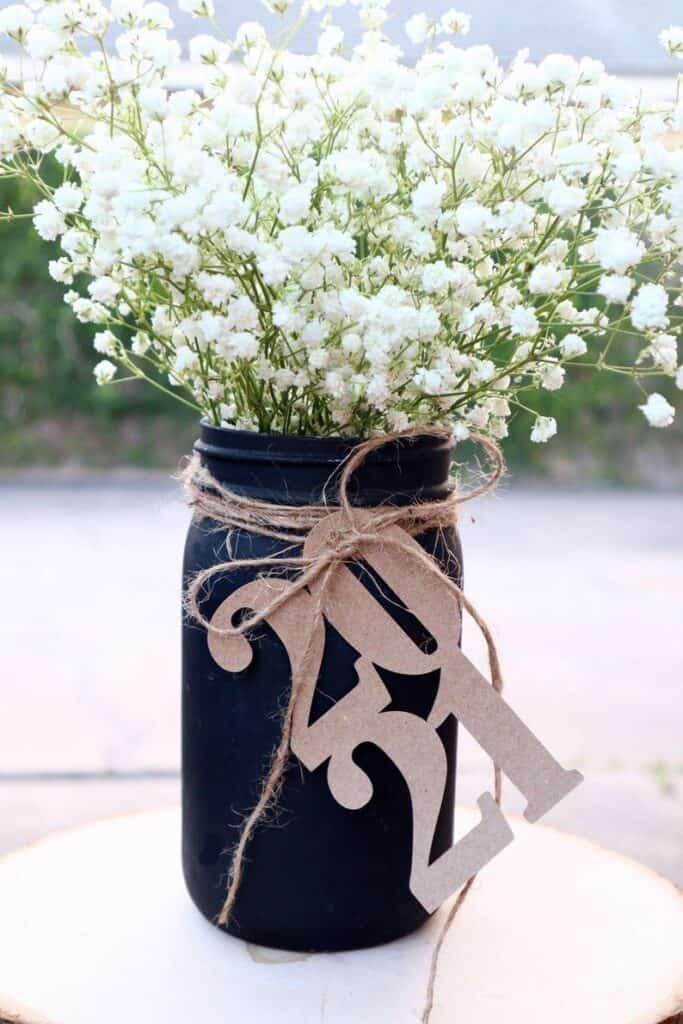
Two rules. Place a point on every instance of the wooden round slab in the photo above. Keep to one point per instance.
(96, 928)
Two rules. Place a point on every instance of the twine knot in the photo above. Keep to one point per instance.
(232, 512)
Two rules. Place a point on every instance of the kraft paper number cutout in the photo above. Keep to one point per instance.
(411, 742)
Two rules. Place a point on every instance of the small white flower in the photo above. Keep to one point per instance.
(314, 333)
(318, 358)
(228, 411)
(523, 322)
(573, 345)
(564, 200)
(277, 6)
(437, 277)
(274, 268)
(455, 23)
(243, 314)
(558, 69)
(104, 371)
(244, 344)
(616, 288)
(352, 343)
(429, 381)
(284, 378)
(61, 270)
(155, 15)
(473, 219)
(217, 289)
(372, 17)
(68, 198)
(105, 342)
(197, 8)
(185, 359)
(206, 49)
(672, 40)
(479, 417)
(42, 43)
(154, 101)
(426, 201)
(418, 28)
(657, 411)
(104, 289)
(87, 311)
(16, 19)
(48, 220)
(331, 40)
(126, 11)
(398, 420)
(543, 429)
(546, 279)
(618, 249)
(551, 376)
(295, 204)
(250, 34)
(649, 306)
(664, 352)
(378, 392)
(140, 343)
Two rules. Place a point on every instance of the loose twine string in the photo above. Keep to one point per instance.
(231, 512)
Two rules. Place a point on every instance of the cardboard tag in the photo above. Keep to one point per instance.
(411, 742)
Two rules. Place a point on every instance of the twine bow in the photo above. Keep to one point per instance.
(290, 523)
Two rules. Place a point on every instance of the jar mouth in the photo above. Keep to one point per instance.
(233, 444)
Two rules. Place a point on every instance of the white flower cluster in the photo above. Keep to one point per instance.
(343, 243)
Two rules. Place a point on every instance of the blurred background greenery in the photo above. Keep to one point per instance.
(52, 414)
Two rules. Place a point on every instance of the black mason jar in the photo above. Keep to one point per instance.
(317, 876)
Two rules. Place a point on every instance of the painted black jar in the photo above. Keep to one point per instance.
(318, 877)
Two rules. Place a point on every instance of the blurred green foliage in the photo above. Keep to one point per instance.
(51, 409)
(53, 413)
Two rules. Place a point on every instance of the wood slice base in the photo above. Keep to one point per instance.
(96, 928)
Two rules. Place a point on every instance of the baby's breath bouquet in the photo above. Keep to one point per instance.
(342, 243)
